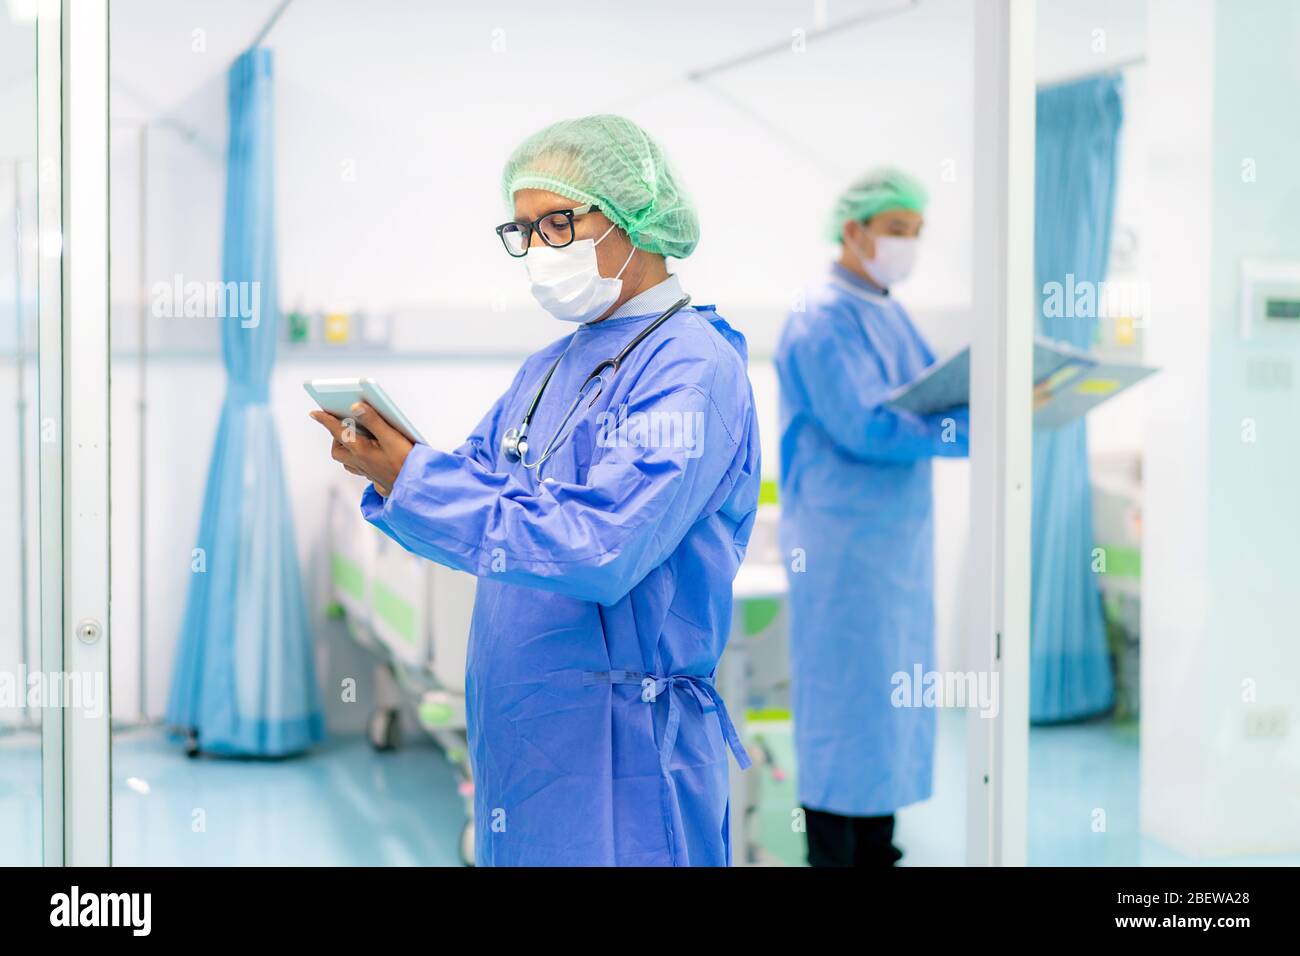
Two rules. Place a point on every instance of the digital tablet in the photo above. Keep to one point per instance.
(338, 395)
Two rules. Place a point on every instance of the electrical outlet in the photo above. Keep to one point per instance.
(1266, 723)
(1268, 374)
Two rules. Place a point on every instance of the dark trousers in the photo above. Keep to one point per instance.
(835, 840)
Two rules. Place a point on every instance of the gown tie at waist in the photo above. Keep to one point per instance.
(653, 686)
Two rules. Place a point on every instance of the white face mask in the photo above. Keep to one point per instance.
(895, 258)
(567, 282)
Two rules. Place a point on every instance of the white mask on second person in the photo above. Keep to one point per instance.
(895, 258)
(567, 282)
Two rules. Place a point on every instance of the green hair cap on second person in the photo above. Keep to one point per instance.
(880, 189)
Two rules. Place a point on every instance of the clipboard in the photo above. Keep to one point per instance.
(1076, 383)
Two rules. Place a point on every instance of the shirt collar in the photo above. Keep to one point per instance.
(854, 283)
(653, 301)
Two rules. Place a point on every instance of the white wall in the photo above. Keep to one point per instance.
(1221, 663)
(17, 88)
(396, 122)
(1253, 442)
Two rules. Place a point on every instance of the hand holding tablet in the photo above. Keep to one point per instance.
(338, 395)
(371, 435)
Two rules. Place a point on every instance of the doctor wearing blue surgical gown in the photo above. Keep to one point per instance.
(604, 502)
(856, 521)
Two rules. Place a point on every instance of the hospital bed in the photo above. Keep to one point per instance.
(754, 679)
(414, 615)
(1117, 530)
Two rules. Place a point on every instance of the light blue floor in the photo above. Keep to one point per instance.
(1079, 770)
(347, 804)
(20, 798)
(1074, 770)
(344, 805)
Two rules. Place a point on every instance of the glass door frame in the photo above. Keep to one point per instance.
(1001, 427)
(72, 151)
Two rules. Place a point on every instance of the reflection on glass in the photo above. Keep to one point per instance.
(20, 717)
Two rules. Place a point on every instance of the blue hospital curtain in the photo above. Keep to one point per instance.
(245, 677)
(1078, 132)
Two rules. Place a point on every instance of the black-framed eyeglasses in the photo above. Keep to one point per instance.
(555, 228)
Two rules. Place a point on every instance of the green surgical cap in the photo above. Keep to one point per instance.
(875, 192)
(609, 161)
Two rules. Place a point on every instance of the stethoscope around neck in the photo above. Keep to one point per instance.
(514, 444)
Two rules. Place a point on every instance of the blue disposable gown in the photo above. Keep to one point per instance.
(856, 502)
(604, 596)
